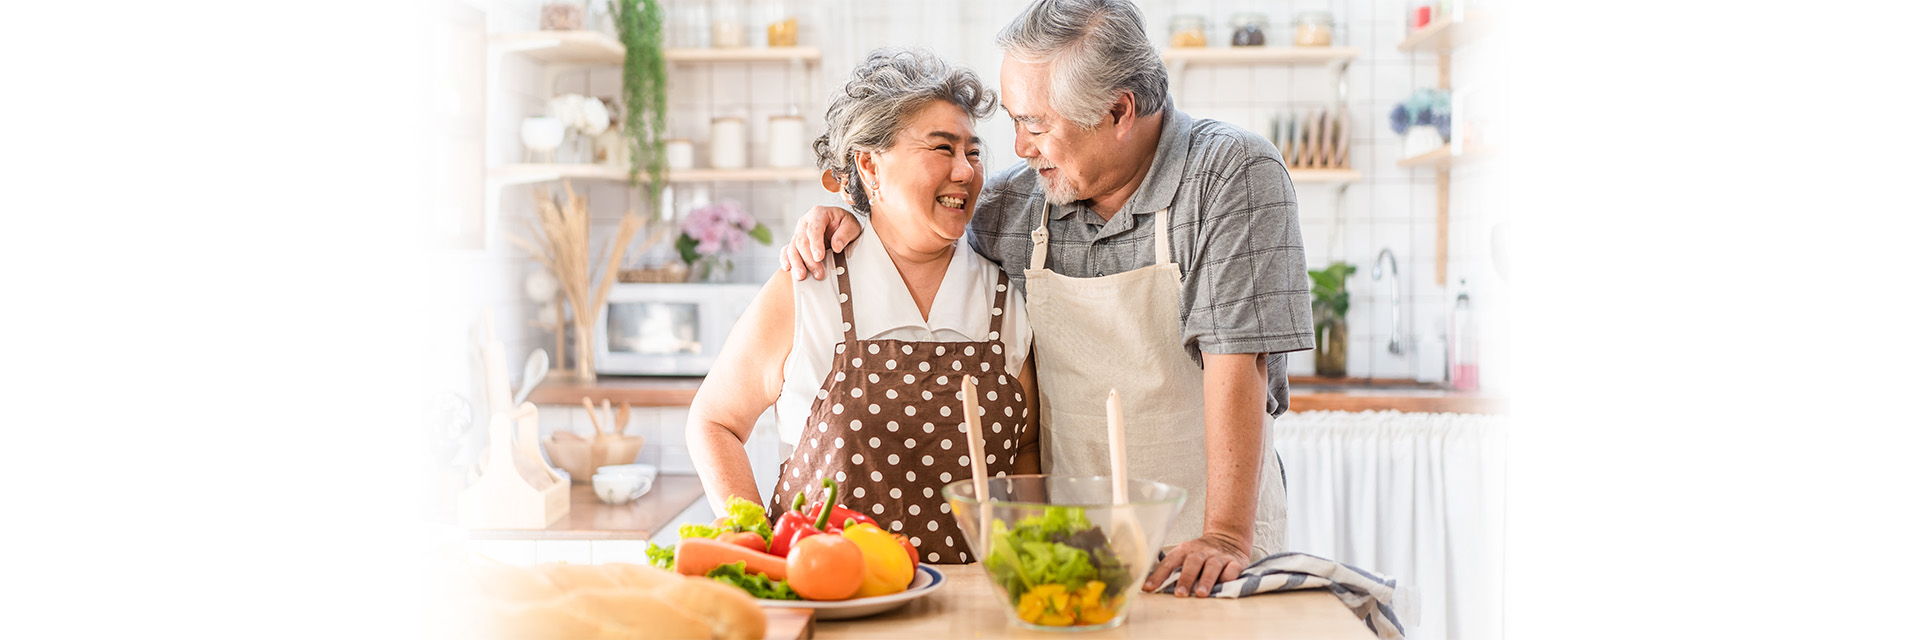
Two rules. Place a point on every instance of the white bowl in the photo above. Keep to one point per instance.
(625, 470)
(620, 489)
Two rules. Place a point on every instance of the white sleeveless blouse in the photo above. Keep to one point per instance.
(962, 311)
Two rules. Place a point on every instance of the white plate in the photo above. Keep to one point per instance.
(926, 580)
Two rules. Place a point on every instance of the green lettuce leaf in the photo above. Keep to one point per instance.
(741, 516)
(659, 556)
(757, 584)
(748, 516)
(1060, 546)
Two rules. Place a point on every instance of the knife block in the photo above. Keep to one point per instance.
(516, 489)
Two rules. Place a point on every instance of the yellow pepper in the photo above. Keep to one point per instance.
(1054, 605)
(889, 569)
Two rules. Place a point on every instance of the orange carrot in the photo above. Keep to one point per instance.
(697, 556)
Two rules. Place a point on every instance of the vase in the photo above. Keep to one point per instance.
(1330, 347)
(714, 270)
(1421, 138)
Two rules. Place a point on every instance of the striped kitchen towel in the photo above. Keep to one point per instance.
(1373, 598)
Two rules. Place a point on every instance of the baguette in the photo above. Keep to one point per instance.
(608, 601)
(733, 614)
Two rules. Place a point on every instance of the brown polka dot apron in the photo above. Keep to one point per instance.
(887, 425)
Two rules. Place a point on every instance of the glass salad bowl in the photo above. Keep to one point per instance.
(1060, 553)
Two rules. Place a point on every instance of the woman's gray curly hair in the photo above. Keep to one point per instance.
(890, 86)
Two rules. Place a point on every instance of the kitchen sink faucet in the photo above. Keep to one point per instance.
(1393, 341)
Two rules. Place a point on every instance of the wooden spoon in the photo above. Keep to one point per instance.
(1127, 538)
(977, 450)
(606, 407)
(620, 421)
(591, 415)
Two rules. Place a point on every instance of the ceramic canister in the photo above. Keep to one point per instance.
(729, 143)
(786, 143)
(679, 154)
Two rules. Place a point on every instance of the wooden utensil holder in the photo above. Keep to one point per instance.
(516, 489)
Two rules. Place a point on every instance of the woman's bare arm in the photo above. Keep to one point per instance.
(744, 381)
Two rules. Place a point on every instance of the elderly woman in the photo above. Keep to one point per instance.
(864, 368)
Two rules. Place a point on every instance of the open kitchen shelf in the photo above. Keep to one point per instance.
(1323, 176)
(514, 174)
(768, 54)
(563, 47)
(1442, 157)
(1258, 55)
(1442, 35)
(595, 48)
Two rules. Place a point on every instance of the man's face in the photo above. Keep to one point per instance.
(1071, 161)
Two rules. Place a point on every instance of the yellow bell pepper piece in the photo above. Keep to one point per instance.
(889, 568)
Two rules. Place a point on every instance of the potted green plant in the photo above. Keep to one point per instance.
(1330, 319)
(644, 88)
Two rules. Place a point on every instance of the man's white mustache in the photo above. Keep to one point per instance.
(1037, 165)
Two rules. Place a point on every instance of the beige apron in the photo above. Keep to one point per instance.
(1123, 332)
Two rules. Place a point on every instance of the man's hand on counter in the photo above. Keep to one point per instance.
(1203, 562)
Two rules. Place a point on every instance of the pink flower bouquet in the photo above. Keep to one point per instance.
(712, 234)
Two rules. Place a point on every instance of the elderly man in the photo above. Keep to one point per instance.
(1161, 257)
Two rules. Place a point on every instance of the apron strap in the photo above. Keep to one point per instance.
(846, 294)
(999, 306)
(1161, 253)
(1039, 260)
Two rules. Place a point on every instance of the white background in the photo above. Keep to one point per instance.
(212, 281)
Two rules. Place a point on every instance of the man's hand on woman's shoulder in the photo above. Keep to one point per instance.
(822, 227)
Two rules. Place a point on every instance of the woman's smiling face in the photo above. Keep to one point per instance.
(929, 180)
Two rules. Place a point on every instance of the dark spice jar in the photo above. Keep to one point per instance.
(1249, 29)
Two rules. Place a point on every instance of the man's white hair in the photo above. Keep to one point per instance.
(1094, 49)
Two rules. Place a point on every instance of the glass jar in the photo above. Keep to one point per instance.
(1249, 29)
(688, 27)
(1330, 344)
(729, 26)
(563, 16)
(1187, 30)
(1312, 29)
(783, 27)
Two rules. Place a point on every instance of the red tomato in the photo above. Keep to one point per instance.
(746, 539)
(825, 567)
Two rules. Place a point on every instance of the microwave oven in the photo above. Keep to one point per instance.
(667, 329)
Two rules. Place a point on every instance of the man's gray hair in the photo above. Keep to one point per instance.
(890, 86)
(1096, 49)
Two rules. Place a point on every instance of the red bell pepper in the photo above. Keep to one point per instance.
(795, 524)
(841, 516)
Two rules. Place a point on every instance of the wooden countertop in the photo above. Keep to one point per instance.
(967, 607)
(590, 519)
(1310, 393)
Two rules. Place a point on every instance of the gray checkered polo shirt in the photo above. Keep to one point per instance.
(1235, 233)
